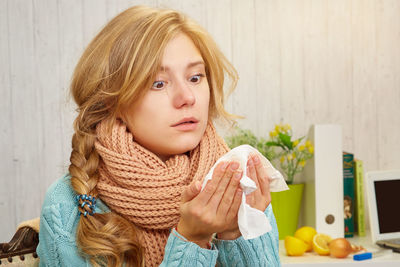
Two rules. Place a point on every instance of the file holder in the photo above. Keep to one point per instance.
(322, 206)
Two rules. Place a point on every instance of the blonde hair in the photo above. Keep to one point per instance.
(115, 70)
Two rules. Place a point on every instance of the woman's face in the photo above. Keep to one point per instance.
(172, 116)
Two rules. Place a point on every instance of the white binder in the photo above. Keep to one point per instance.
(322, 206)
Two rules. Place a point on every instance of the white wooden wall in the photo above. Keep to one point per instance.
(300, 62)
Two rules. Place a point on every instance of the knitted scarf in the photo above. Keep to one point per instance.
(139, 186)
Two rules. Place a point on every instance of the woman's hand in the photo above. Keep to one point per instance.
(258, 199)
(261, 197)
(215, 208)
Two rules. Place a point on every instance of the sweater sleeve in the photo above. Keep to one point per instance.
(56, 242)
(46, 249)
(58, 221)
(180, 252)
(260, 251)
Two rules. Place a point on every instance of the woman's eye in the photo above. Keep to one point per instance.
(196, 78)
(158, 85)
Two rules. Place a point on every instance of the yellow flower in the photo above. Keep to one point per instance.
(301, 148)
(308, 143)
(277, 128)
(295, 143)
(273, 134)
(302, 163)
(289, 157)
(287, 127)
(282, 159)
(311, 149)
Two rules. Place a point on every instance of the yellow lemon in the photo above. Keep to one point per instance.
(294, 246)
(320, 244)
(306, 233)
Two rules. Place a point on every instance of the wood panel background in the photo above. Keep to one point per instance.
(300, 62)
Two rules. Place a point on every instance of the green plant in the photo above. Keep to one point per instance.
(241, 137)
(292, 154)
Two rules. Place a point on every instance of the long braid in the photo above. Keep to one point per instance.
(108, 239)
(83, 169)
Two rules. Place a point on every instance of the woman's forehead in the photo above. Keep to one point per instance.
(180, 51)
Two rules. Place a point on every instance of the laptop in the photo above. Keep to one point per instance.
(383, 192)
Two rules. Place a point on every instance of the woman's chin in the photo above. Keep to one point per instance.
(184, 147)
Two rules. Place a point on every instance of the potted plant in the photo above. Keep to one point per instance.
(292, 155)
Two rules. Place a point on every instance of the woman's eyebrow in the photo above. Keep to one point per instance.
(190, 65)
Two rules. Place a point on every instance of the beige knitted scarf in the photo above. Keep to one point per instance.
(138, 185)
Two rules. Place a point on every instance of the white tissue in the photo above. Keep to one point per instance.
(252, 222)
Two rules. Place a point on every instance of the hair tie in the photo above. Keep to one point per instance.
(87, 200)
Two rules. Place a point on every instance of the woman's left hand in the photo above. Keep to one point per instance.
(261, 197)
(258, 199)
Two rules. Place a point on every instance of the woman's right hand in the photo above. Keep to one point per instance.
(214, 209)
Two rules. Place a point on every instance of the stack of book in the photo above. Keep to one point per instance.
(353, 192)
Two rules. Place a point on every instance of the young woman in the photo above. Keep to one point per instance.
(148, 88)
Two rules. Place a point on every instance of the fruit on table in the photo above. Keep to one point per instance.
(320, 244)
(295, 246)
(306, 233)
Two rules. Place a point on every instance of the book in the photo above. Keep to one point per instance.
(359, 211)
(348, 194)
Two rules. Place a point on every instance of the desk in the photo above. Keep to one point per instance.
(387, 259)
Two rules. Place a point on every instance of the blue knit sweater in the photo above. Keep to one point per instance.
(57, 238)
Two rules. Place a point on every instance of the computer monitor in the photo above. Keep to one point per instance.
(383, 192)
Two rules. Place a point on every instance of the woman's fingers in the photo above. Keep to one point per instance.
(199, 214)
(251, 171)
(250, 199)
(261, 197)
(229, 194)
(223, 184)
(191, 191)
(262, 176)
(212, 185)
(234, 208)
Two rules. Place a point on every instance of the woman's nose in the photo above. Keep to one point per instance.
(183, 95)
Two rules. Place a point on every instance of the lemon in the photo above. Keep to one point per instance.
(295, 246)
(306, 233)
(320, 244)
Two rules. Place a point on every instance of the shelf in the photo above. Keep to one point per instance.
(386, 259)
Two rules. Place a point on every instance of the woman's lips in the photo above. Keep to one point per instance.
(186, 126)
(186, 120)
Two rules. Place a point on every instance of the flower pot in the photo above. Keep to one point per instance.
(286, 206)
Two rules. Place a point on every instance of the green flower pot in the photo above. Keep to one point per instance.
(286, 206)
